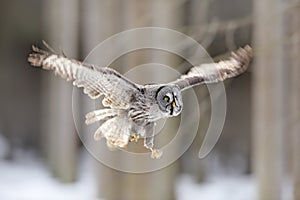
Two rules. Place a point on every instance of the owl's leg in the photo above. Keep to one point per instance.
(148, 141)
(136, 132)
(149, 136)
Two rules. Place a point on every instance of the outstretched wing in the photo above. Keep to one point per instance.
(96, 81)
(215, 72)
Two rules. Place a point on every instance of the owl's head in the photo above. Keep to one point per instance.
(169, 100)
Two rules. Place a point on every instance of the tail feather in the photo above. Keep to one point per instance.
(116, 131)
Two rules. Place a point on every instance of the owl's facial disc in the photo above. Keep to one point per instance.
(170, 100)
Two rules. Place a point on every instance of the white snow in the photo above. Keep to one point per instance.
(220, 187)
(27, 178)
(216, 188)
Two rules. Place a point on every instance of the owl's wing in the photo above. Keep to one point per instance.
(215, 72)
(96, 81)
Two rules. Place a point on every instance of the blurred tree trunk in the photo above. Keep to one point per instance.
(100, 20)
(191, 163)
(268, 98)
(294, 124)
(141, 14)
(60, 139)
(222, 32)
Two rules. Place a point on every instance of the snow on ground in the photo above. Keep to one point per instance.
(231, 187)
(223, 187)
(27, 178)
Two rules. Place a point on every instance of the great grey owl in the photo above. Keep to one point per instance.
(133, 108)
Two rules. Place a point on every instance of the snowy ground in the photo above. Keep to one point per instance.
(218, 188)
(27, 178)
(223, 187)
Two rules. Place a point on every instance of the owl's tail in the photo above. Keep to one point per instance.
(116, 131)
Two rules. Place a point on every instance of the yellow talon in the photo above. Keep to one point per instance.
(134, 138)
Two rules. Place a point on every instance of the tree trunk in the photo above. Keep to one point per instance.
(100, 20)
(268, 105)
(60, 138)
(294, 124)
(134, 13)
(142, 14)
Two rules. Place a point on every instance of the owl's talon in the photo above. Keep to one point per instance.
(156, 153)
(134, 138)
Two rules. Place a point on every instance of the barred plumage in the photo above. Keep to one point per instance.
(134, 108)
(215, 72)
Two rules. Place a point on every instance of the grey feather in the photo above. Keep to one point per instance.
(96, 81)
(215, 72)
(134, 108)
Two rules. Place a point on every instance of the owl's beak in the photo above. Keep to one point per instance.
(173, 104)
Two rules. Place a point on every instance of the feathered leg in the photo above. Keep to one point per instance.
(148, 141)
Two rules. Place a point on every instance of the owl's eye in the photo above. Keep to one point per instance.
(166, 98)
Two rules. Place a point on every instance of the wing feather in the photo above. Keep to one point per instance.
(95, 81)
(215, 72)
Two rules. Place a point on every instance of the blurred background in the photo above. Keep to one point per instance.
(258, 153)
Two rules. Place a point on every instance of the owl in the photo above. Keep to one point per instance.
(131, 110)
